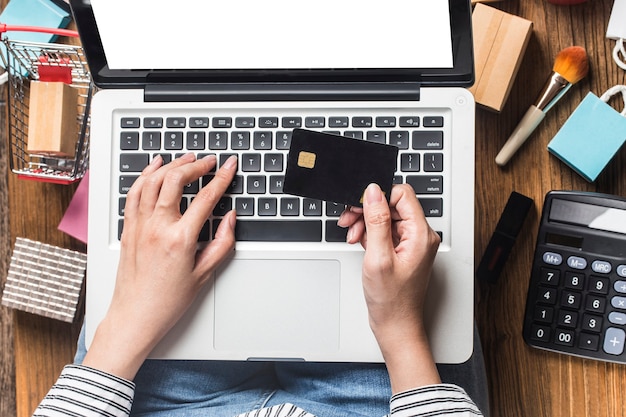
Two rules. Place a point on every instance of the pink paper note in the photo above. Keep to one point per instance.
(74, 221)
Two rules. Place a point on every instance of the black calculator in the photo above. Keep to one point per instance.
(576, 301)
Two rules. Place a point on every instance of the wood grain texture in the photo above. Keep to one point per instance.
(523, 381)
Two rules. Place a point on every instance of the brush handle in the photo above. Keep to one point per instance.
(526, 126)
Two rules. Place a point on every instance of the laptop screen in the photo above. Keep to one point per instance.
(129, 42)
(274, 34)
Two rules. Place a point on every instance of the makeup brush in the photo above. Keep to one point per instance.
(570, 66)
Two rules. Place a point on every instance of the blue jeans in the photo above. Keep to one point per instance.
(223, 388)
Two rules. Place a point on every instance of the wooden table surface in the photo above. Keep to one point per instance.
(523, 381)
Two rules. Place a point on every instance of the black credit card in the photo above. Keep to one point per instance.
(336, 168)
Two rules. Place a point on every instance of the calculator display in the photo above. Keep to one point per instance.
(564, 240)
(576, 302)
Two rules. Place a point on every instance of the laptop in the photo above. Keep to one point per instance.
(237, 77)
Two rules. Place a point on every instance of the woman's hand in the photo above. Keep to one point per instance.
(160, 270)
(400, 249)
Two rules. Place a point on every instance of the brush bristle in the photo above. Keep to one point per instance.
(572, 64)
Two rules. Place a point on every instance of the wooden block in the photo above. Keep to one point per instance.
(52, 123)
(500, 41)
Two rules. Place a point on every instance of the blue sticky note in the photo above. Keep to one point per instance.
(590, 137)
(43, 13)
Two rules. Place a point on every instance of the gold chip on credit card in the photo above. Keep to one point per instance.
(306, 159)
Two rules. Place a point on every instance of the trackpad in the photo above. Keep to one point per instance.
(277, 306)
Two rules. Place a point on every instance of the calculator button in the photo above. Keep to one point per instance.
(619, 302)
(596, 304)
(616, 317)
(614, 341)
(577, 262)
(571, 299)
(553, 258)
(589, 341)
(543, 314)
(546, 295)
(564, 337)
(550, 276)
(620, 286)
(599, 285)
(621, 271)
(574, 281)
(601, 267)
(567, 319)
(540, 333)
(592, 323)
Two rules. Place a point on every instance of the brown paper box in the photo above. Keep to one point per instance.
(500, 41)
(52, 123)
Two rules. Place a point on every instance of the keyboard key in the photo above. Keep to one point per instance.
(175, 122)
(244, 122)
(222, 122)
(540, 333)
(409, 121)
(291, 122)
(244, 206)
(126, 181)
(198, 122)
(130, 122)
(311, 207)
(354, 134)
(426, 184)
(567, 319)
(385, 121)
(173, 141)
(283, 140)
(268, 122)
(268, 206)
(433, 162)
(314, 122)
(377, 136)
(433, 207)
(276, 184)
(256, 184)
(273, 162)
(289, 206)
(129, 141)
(251, 162)
(151, 141)
(236, 186)
(338, 121)
(334, 233)
(196, 141)
(218, 141)
(223, 206)
(240, 141)
(281, 231)
(153, 122)
(424, 140)
(410, 162)
(399, 138)
(334, 209)
(564, 337)
(589, 341)
(433, 121)
(134, 162)
(361, 121)
(262, 141)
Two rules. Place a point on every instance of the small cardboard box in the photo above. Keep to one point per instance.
(52, 119)
(500, 41)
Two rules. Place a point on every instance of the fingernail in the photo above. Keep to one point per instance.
(373, 194)
(350, 235)
(156, 160)
(210, 156)
(231, 162)
(189, 156)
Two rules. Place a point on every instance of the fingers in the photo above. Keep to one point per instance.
(203, 204)
(377, 216)
(218, 249)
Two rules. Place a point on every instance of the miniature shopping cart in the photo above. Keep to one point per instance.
(23, 62)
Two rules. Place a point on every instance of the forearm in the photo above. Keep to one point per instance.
(408, 358)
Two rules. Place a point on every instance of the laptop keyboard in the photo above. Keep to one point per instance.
(261, 142)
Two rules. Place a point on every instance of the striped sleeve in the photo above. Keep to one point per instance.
(84, 391)
(432, 401)
(283, 410)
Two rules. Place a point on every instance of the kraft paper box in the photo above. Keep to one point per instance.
(52, 119)
(500, 41)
